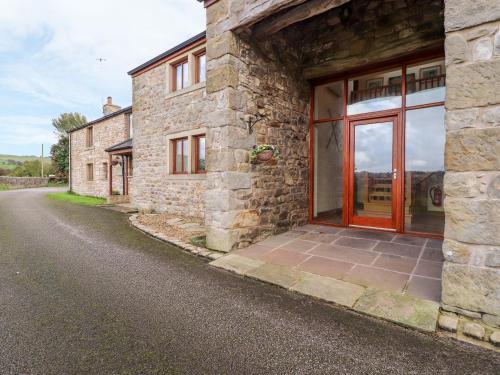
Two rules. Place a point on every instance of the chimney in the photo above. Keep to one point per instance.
(109, 107)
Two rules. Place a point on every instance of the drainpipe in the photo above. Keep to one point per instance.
(123, 175)
(70, 180)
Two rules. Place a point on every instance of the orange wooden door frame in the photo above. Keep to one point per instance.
(394, 222)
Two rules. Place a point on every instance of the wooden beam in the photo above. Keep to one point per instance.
(299, 13)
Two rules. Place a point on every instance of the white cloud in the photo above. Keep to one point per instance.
(49, 51)
(24, 130)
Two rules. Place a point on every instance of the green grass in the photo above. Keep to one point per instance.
(77, 199)
(4, 187)
(57, 184)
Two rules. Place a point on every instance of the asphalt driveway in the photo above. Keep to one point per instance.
(81, 292)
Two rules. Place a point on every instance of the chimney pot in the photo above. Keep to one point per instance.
(109, 107)
(110, 100)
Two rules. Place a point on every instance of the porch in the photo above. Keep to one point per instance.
(394, 262)
(120, 160)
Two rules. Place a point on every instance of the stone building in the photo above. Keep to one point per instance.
(386, 115)
(171, 113)
(90, 163)
(360, 146)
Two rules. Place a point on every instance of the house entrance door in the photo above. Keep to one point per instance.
(374, 172)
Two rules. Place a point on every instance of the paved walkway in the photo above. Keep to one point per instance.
(398, 263)
(84, 293)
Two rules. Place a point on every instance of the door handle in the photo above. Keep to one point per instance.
(394, 173)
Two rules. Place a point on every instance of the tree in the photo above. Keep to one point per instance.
(31, 168)
(68, 121)
(59, 152)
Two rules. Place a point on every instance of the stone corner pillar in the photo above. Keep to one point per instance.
(471, 273)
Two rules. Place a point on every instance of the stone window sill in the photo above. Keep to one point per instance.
(181, 177)
(195, 87)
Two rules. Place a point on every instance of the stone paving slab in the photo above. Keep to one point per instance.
(329, 289)
(401, 309)
(236, 263)
(279, 275)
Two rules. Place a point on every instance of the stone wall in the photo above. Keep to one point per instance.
(251, 77)
(158, 115)
(106, 133)
(471, 274)
(24, 182)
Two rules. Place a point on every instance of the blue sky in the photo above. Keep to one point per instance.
(49, 51)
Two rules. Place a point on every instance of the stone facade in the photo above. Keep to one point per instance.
(107, 132)
(161, 115)
(471, 275)
(252, 76)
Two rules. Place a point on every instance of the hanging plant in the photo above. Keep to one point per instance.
(263, 153)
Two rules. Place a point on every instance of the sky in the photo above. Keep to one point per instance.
(49, 51)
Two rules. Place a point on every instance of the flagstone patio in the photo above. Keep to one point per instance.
(398, 263)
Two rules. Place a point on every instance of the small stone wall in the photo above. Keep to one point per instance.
(25, 182)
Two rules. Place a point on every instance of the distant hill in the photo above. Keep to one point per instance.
(12, 161)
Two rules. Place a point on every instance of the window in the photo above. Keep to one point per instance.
(199, 153)
(180, 148)
(90, 172)
(181, 75)
(90, 136)
(104, 171)
(129, 127)
(201, 68)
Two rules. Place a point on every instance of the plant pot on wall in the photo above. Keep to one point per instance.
(263, 153)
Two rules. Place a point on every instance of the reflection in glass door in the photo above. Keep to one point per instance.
(374, 174)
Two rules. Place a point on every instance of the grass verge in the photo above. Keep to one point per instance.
(77, 199)
(4, 187)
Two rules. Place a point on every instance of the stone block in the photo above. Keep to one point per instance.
(457, 310)
(221, 239)
(491, 116)
(472, 184)
(236, 263)
(329, 289)
(495, 338)
(220, 45)
(456, 252)
(473, 85)
(491, 320)
(219, 160)
(278, 275)
(455, 49)
(222, 200)
(462, 118)
(448, 323)
(473, 149)
(497, 44)
(218, 11)
(402, 309)
(221, 77)
(474, 330)
(492, 257)
(482, 49)
(460, 14)
(471, 288)
(474, 221)
(236, 180)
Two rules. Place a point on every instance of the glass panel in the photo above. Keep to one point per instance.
(185, 74)
(374, 92)
(202, 68)
(201, 153)
(329, 100)
(373, 170)
(425, 83)
(178, 156)
(328, 181)
(178, 77)
(184, 155)
(424, 163)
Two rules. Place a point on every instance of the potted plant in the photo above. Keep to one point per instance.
(263, 153)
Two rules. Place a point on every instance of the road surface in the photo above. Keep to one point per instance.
(81, 292)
